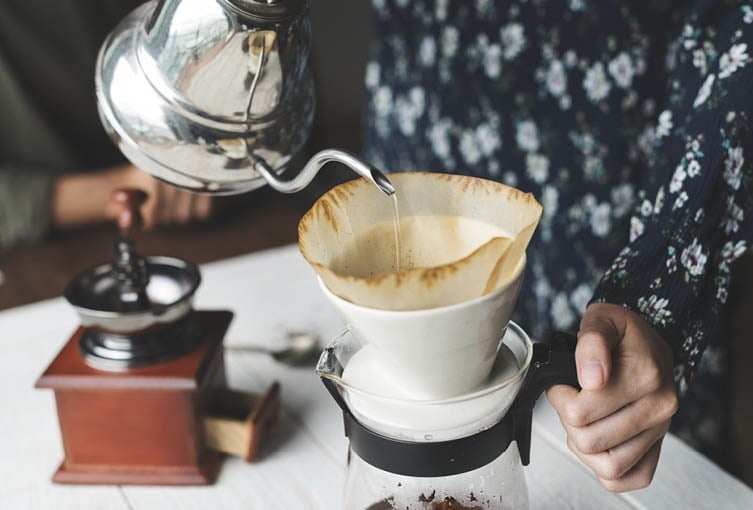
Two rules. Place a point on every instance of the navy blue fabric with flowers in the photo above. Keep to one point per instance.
(630, 122)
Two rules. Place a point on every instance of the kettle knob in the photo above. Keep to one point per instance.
(130, 201)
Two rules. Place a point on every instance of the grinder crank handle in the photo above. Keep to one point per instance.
(130, 201)
(553, 362)
(130, 269)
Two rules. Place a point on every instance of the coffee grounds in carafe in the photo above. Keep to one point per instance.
(385, 504)
(428, 503)
(450, 503)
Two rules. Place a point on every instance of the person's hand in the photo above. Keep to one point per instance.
(616, 423)
(166, 204)
(82, 199)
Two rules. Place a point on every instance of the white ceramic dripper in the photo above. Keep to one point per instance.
(435, 353)
(437, 323)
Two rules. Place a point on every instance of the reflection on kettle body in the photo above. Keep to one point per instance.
(213, 74)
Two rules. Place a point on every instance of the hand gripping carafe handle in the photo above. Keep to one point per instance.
(552, 362)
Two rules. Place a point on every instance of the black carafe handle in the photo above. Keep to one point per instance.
(553, 362)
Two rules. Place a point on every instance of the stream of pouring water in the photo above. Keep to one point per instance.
(396, 227)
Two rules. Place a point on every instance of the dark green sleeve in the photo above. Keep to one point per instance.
(25, 198)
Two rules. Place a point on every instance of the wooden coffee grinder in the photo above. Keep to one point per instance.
(140, 385)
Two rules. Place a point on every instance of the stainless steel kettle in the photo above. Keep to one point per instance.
(215, 96)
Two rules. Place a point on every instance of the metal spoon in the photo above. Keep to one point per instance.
(302, 347)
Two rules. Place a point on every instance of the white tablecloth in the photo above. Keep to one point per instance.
(274, 292)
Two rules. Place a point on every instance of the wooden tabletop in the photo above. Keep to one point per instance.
(259, 220)
(272, 293)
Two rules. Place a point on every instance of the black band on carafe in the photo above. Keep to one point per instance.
(553, 362)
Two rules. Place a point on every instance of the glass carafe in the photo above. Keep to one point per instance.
(465, 452)
(500, 484)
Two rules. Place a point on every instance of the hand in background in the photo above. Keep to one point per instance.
(83, 199)
(616, 423)
(166, 204)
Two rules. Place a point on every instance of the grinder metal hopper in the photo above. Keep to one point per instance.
(136, 309)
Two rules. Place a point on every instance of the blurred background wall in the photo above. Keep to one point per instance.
(341, 34)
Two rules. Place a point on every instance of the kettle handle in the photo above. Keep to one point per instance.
(553, 362)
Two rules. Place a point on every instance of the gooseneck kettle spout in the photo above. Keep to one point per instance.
(311, 169)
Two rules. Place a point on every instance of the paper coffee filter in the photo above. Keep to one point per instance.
(461, 237)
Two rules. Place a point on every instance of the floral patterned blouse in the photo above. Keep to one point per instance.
(630, 121)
